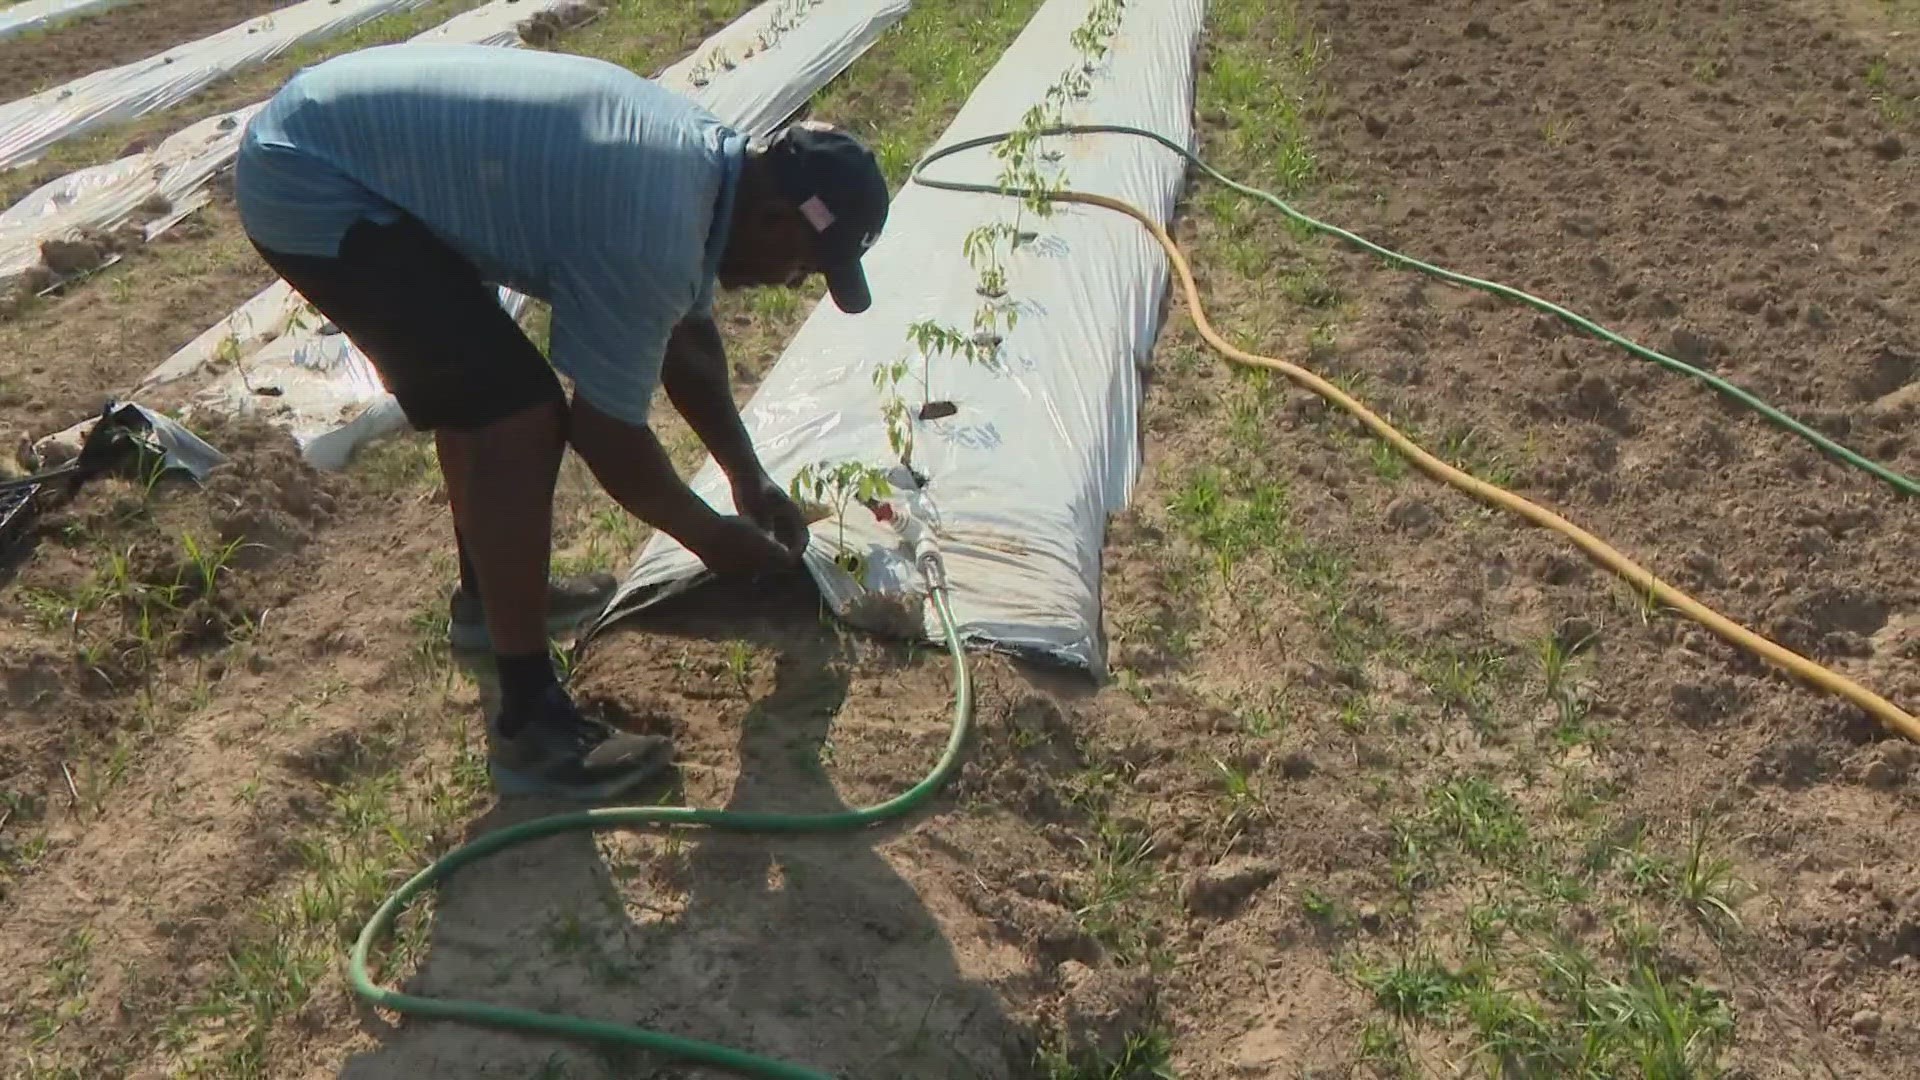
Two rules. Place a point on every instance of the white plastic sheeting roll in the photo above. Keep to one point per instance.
(323, 390)
(163, 184)
(32, 124)
(1022, 477)
(169, 181)
(35, 14)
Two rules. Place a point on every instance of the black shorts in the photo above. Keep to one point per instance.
(444, 347)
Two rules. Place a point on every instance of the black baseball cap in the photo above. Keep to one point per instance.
(836, 184)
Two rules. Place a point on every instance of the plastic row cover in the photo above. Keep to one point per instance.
(32, 124)
(161, 186)
(1042, 446)
(177, 170)
(323, 390)
(34, 14)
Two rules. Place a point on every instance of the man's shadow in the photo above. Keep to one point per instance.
(807, 949)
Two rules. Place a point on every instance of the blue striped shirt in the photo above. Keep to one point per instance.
(569, 179)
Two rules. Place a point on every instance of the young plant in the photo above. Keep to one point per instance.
(893, 409)
(931, 339)
(837, 488)
(1029, 171)
(982, 248)
(979, 347)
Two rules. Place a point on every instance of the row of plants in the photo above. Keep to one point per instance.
(784, 17)
(1034, 172)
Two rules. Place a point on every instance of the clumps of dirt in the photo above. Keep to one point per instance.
(64, 258)
(1024, 763)
(1413, 516)
(1874, 916)
(1829, 622)
(85, 250)
(267, 499)
(1221, 890)
(143, 570)
(1100, 1010)
(887, 614)
(1039, 927)
(1888, 766)
(543, 30)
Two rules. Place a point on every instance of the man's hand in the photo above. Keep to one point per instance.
(763, 502)
(734, 547)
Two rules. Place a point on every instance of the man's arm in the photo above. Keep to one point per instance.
(694, 373)
(633, 467)
(605, 339)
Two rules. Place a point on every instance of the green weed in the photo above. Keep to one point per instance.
(1478, 816)
(1262, 720)
(1308, 287)
(1326, 910)
(407, 463)
(70, 970)
(1144, 1055)
(1260, 79)
(1463, 683)
(1470, 451)
(1230, 519)
(1382, 1050)
(1242, 796)
(1386, 461)
(779, 304)
(1123, 877)
(1554, 657)
(740, 665)
(1707, 884)
(200, 576)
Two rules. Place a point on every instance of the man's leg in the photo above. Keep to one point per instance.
(508, 533)
(469, 577)
(571, 600)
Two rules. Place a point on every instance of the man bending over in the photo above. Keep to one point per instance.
(394, 187)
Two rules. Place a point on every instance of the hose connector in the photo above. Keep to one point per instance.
(918, 539)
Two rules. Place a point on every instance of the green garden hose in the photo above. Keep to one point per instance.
(538, 1023)
(1644, 582)
(548, 1024)
(1900, 482)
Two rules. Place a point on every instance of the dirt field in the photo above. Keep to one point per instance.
(121, 35)
(1386, 785)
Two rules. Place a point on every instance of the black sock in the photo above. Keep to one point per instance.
(469, 577)
(522, 680)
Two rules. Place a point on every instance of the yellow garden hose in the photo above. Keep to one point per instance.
(1596, 549)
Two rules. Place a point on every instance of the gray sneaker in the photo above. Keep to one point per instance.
(558, 753)
(571, 602)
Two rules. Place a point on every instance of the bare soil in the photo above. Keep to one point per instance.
(90, 43)
(1728, 183)
(1333, 815)
(75, 348)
